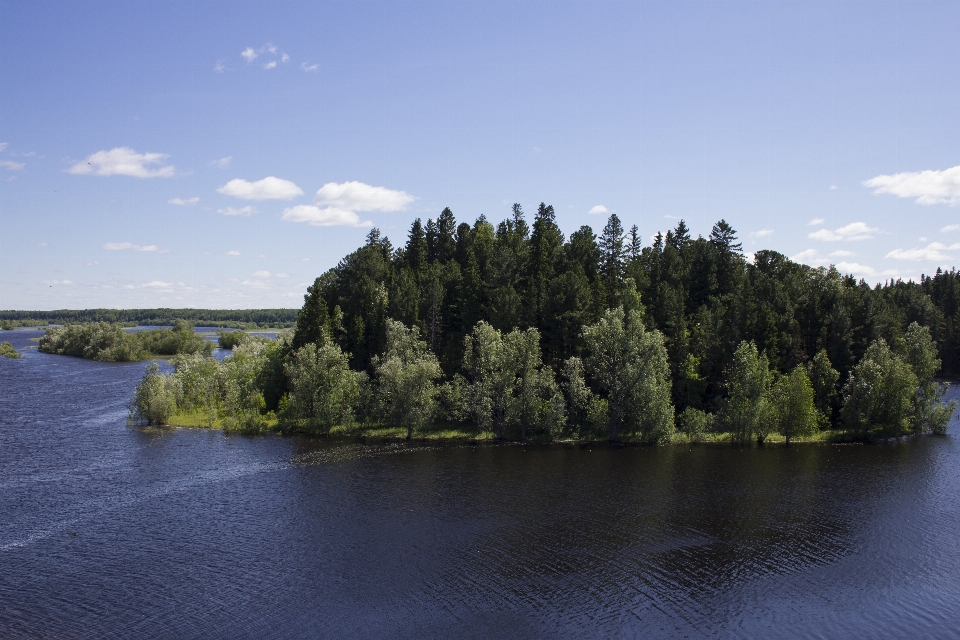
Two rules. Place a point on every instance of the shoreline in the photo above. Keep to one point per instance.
(397, 435)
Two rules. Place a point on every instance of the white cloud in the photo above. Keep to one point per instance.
(309, 67)
(930, 253)
(260, 274)
(233, 253)
(222, 163)
(270, 188)
(833, 187)
(855, 268)
(810, 256)
(337, 204)
(842, 253)
(815, 222)
(95, 263)
(954, 246)
(282, 275)
(950, 227)
(326, 217)
(10, 165)
(41, 244)
(852, 231)
(250, 54)
(928, 187)
(357, 196)
(59, 283)
(597, 210)
(188, 202)
(220, 67)
(256, 284)
(157, 284)
(129, 246)
(762, 233)
(234, 211)
(123, 161)
(4, 145)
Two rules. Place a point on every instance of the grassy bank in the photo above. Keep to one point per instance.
(387, 433)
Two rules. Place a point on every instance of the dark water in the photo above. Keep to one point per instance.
(107, 531)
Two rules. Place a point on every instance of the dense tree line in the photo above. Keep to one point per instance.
(519, 332)
(244, 318)
(700, 293)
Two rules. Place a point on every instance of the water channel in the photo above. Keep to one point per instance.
(108, 531)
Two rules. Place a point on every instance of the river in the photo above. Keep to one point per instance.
(112, 532)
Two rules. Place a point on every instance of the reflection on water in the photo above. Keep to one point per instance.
(112, 531)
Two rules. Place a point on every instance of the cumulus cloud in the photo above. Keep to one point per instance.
(337, 204)
(222, 163)
(357, 196)
(597, 210)
(949, 228)
(326, 217)
(928, 187)
(855, 268)
(309, 67)
(250, 54)
(815, 222)
(841, 253)
(10, 165)
(238, 211)
(810, 256)
(157, 284)
(233, 253)
(852, 231)
(762, 233)
(59, 283)
(129, 246)
(188, 202)
(270, 188)
(933, 252)
(123, 161)
(282, 275)
(260, 274)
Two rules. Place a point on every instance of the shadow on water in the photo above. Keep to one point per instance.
(111, 531)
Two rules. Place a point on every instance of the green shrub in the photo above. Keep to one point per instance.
(7, 350)
(154, 400)
(231, 339)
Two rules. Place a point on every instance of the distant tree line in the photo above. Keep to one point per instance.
(518, 331)
(242, 318)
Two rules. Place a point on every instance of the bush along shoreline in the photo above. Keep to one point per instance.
(619, 392)
(7, 350)
(110, 343)
(515, 332)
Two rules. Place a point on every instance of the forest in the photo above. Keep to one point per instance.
(517, 332)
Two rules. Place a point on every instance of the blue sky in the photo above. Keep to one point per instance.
(223, 155)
